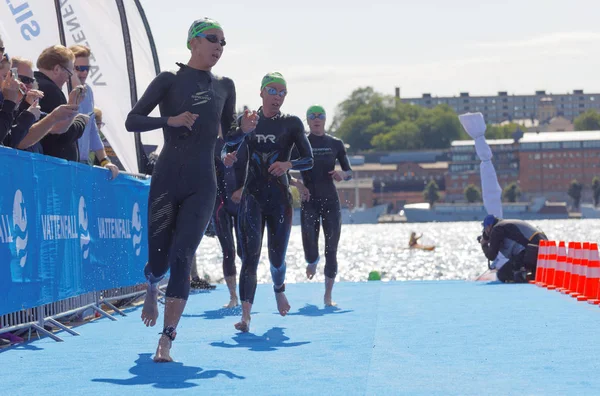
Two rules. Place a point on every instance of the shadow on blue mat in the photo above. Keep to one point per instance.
(23, 346)
(313, 310)
(218, 313)
(270, 341)
(165, 375)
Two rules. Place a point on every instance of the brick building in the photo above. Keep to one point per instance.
(464, 166)
(550, 161)
(544, 164)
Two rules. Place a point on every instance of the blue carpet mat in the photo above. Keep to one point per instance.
(467, 338)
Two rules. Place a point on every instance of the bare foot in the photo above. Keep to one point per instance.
(329, 302)
(243, 326)
(163, 351)
(150, 310)
(311, 270)
(282, 303)
(232, 303)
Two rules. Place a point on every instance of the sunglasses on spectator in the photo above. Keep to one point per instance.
(26, 80)
(213, 38)
(320, 116)
(83, 68)
(67, 70)
(2, 49)
(272, 91)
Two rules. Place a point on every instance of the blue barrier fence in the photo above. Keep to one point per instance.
(67, 229)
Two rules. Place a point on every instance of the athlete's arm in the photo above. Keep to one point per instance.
(234, 133)
(229, 124)
(240, 168)
(342, 158)
(492, 248)
(306, 159)
(137, 119)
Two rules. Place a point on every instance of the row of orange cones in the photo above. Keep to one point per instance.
(574, 271)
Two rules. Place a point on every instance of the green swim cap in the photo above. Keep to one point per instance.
(274, 77)
(315, 109)
(199, 26)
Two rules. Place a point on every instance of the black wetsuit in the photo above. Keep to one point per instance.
(229, 180)
(183, 187)
(518, 241)
(324, 204)
(266, 198)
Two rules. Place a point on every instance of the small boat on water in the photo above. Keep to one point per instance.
(423, 247)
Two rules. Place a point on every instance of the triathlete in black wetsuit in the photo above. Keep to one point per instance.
(321, 203)
(193, 104)
(266, 198)
(230, 183)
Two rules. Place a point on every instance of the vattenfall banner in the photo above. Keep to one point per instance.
(122, 59)
(67, 229)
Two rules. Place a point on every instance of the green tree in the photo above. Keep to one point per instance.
(588, 121)
(574, 192)
(502, 131)
(431, 194)
(596, 190)
(402, 136)
(472, 193)
(353, 132)
(511, 193)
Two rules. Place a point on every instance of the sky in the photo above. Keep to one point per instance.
(328, 48)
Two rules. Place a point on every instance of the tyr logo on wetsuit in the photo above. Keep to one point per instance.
(264, 139)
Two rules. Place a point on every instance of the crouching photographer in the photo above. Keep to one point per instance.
(518, 241)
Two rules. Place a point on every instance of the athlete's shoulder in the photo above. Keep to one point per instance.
(335, 139)
(293, 121)
(226, 81)
(166, 77)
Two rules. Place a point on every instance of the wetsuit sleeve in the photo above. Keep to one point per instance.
(496, 239)
(241, 166)
(342, 158)
(137, 119)
(305, 160)
(6, 118)
(234, 134)
(295, 154)
(229, 124)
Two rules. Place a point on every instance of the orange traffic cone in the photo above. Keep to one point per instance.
(554, 264)
(560, 267)
(577, 256)
(564, 285)
(541, 265)
(582, 279)
(592, 291)
(550, 263)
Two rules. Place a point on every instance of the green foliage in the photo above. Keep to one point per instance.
(368, 120)
(431, 194)
(472, 193)
(511, 193)
(588, 121)
(574, 192)
(596, 190)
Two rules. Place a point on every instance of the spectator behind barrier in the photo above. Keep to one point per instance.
(90, 140)
(55, 65)
(21, 134)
